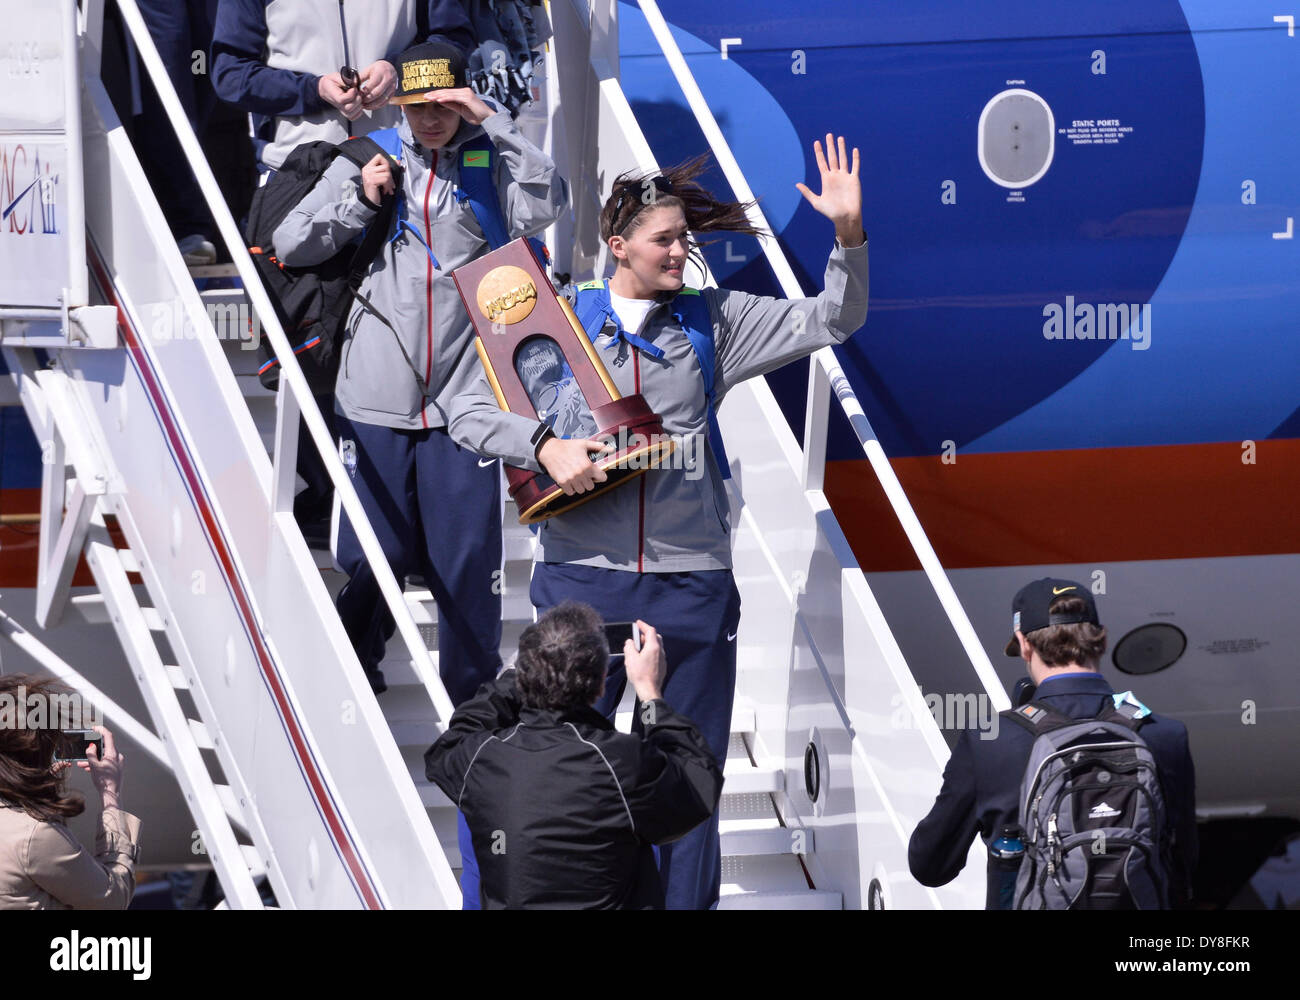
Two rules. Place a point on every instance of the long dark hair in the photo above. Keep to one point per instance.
(27, 753)
(672, 187)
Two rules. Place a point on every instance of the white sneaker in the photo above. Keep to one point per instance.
(197, 250)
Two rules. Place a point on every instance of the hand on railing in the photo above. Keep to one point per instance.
(841, 197)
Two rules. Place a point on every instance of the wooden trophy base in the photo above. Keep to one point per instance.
(627, 419)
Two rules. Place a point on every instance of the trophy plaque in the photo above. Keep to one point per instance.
(541, 365)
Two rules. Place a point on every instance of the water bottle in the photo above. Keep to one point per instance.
(1006, 852)
(1008, 846)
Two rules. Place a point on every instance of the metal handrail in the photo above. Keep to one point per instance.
(291, 377)
(829, 363)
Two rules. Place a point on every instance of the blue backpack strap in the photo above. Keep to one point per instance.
(592, 307)
(390, 142)
(476, 187)
(692, 312)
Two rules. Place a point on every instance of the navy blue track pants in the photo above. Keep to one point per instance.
(436, 508)
(696, 615)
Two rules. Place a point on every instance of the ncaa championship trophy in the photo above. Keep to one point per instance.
(541, 364)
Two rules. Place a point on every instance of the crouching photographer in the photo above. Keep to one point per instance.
(563, 808)
(42, 865)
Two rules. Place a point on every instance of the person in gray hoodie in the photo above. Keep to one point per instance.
(660, 548)
(434, 504)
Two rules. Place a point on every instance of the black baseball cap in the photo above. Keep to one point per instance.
(425, 67)
(1029, 608)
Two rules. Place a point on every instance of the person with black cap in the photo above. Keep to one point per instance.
(434, 505)
(1057, 632)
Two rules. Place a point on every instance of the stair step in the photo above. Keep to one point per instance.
(742, 723)
(742, 778)
(792, 899)
(253, 860)
(202, 738)
(176, 678)
(229, 803)
(771, 839)
(430, 794)
(406, 704)
(153, 619)
(413, 733)
(91, 607)
(444, 826)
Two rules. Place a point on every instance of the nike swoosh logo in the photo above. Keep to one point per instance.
(483, 463)
(1057, 593)
(731, 637)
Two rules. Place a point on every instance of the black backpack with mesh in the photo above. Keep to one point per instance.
(313, 302)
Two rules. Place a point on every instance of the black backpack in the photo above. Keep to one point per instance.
(313, 302)
(1097, 834)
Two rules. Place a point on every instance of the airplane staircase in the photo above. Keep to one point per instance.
(172, 469)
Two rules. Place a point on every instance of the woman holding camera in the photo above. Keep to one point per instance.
(42, 865)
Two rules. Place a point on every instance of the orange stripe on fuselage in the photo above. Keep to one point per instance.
(1085, 505)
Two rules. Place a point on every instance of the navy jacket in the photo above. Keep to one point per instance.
(981, 789)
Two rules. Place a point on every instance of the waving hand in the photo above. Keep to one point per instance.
(841, 196)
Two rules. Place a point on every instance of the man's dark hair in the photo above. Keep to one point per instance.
(563, 657)
(1061, 645)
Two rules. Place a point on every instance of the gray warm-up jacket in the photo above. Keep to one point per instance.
(677, 518)
(412, 286)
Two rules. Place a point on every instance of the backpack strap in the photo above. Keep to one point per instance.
(692, 313)
(593, 309)
(361, 150)
(1037, 718)
(476, 187)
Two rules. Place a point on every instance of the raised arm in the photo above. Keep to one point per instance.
(678, 781)
(757, 334)
(533, 194)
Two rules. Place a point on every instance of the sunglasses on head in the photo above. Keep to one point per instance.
(638, 190)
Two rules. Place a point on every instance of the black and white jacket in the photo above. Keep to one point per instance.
(562, 807)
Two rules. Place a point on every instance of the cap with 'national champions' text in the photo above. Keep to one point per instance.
(425, 67)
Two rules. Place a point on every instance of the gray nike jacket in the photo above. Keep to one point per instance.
(410, 283)
(677, 518)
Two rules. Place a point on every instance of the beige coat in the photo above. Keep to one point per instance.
(43, 867)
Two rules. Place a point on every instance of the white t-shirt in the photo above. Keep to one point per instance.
(631, 312)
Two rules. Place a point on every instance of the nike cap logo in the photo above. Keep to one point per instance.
(1057, 591)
